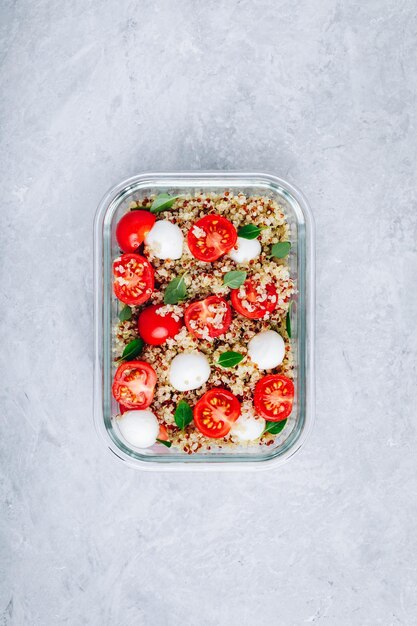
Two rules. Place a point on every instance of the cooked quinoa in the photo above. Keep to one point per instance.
(202, 280)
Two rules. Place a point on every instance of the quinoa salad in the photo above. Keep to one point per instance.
(202, 350)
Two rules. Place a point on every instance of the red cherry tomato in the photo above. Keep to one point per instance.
(134, 384)
(163, 433)
(133, 228)
(215, 413)
(133, 279)
(274, 395)
(254, 301)
(211, 316)
(211, 237)
(154, 328)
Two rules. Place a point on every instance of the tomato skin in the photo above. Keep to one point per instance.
(134, 384)
(198, 313)
(156, 329)
(274, 395)
(133, 228)
(133, 279)
(220, 237)
(260, 308)
(215, 412)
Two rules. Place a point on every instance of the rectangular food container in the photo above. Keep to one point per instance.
(301, 262)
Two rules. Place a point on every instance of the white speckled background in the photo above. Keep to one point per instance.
(323, 93)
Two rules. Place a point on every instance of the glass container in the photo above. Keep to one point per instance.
(301, 261)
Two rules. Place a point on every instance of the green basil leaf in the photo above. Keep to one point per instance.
(250, 231)
(176, 290)
(230, 359)
(168, 444)
(274, 427)
(125, 314)
(288, 320)
(280, 249)
(234, 279)
(183, 414)
(132, 350)
(163, 202)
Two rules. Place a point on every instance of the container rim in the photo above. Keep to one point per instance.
(223, 176)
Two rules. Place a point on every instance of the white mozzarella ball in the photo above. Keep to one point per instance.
(165, 240)
(248, 428)
(189, 370)
(267, 349)
(247, 250)
(139, 428)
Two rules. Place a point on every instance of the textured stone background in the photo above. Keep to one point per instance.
(323, 93)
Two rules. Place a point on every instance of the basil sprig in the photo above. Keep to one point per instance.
(132, 350)
(274, 427)
(250, 231)
(125, 314)
(176, 290)
(164, 442)
(230, 359)
(234, 279)
(183, 414)
(288, 321)
(163, 202)
(281, 249)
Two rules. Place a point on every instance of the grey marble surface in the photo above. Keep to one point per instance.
(323, 93)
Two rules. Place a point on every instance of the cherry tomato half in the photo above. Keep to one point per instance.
(133, 228)
(211, 316)
(274, 395)
(211, 237)
(254, 304)
(133, 279)
(215, 412)
(134, 384)
(163, 433)
(154, 328)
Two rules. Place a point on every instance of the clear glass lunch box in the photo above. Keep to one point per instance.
(114, 204)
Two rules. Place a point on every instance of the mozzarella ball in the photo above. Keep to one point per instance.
(267, 349)
(248, 428)
(247, 250)
(189, 370)
(139, 428)
(165, 240)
